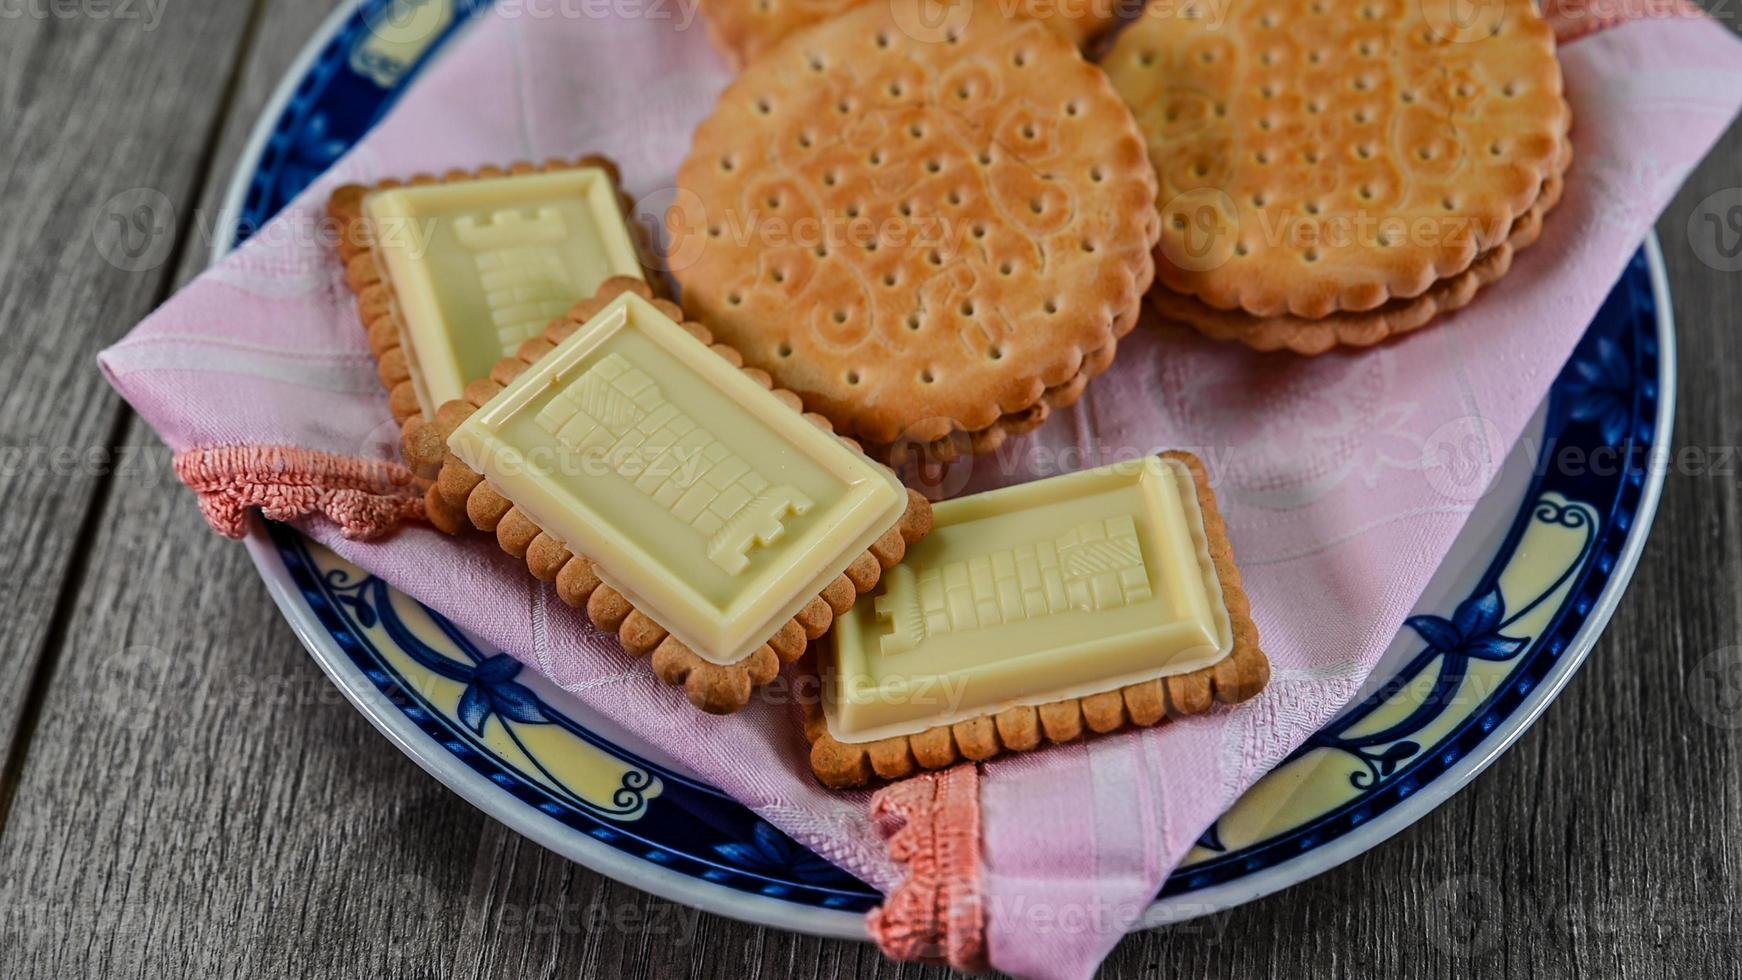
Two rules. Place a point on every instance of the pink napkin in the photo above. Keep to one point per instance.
(1344, 477)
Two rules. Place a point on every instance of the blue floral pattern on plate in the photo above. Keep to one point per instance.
(1395, 741)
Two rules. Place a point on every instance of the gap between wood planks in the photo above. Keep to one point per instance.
(48, 657)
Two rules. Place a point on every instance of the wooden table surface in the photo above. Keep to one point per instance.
(183, 794)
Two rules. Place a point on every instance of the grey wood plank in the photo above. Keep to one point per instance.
(198, 800)
(103, 114)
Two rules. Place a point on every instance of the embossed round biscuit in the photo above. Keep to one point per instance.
(1367, 327)
(744, 29)
(1317, 156)
(920, 231)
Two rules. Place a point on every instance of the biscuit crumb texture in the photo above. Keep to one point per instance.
(1317, 157)
(921, 226)
(744, 29)
(1369, 327)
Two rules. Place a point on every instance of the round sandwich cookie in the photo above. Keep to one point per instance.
(1336, 172)
(745, 29)
(932, 223)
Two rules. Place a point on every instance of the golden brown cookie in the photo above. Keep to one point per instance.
(460, 498)
(1239, 676)
(363, 270)
(1319, 157)
(1366, 328)
(989, 439)
(744, 29)
(920, 237)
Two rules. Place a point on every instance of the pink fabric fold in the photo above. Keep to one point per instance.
(1328, 469)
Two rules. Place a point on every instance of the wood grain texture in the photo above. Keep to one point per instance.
(198, 800)
(100, 117)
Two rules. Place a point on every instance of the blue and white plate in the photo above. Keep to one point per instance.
(1506, 621)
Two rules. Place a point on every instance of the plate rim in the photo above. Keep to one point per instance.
(500, 805)
(496, 803)
(230, 212)
(544, 830)
(1405, 814)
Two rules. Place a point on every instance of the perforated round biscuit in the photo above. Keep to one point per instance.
(918, 230)
(744, 29)
(1368, 327)
(1317, 156)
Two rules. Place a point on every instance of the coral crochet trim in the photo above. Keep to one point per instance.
(366, 498)
(932, 824)
(1573, 19)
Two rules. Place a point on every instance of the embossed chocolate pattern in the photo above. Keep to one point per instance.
(616, 413)
(1094, 566)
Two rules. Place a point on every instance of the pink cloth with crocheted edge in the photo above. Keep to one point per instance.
(259, 375)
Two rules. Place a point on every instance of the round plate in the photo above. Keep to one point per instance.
(1505, 622)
